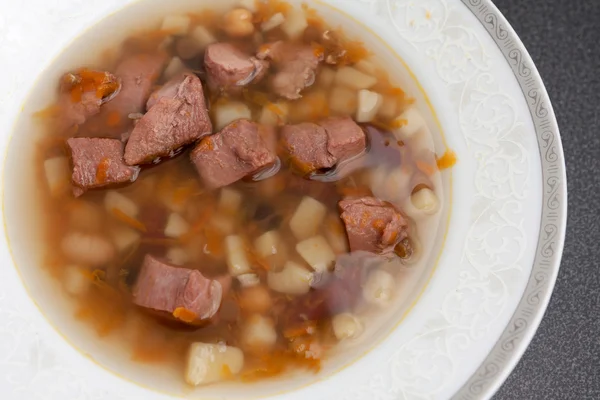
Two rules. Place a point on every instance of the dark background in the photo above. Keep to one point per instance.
(563, 360)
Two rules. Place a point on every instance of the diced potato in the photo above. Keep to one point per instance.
(326, 76)
(230, 201)
(229, 112)
(394, 185)
(316, 252)
(225, 224)
(273, 22)
(293, 279)
(368, 104)
(212, 362)
(176, 226)
(269, 244)
(379, 288)
(249, 5)
(425, 200)
(336, 234)
(295, 23)
(248, 280)
(366, 66)
(307, 218)
(237, 259)
(58, 175)
(177, 256)
(259, 332)
(354, 79)
(115, 200)
(389, 107)
(176, 24)
(346, 326)
(274, 114)
(203, 36)
(87, 249)
(85, 216)
(343, 100)
(255, 299)
(411, 121)
(174, 67)
(124, 238)
(75, 281)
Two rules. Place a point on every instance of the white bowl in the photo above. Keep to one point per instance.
(462, 326)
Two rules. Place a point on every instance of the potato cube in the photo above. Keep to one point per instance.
(307, 218)
(212, 362)
(317, 253)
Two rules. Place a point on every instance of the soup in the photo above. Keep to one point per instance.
(237, 194)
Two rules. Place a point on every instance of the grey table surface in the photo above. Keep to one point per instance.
(563, 360)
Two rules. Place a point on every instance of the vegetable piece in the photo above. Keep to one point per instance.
(354, 79)
(425, 200)
(248, 280)
(316, 252)
(343, 100)
(326, 77)
(115, 200)
(366, 66)
(295, 23)
(336, 234)
(124, 238)
(202, 36)
(273, 22)
(176, 24)
(224, 224)
(177, 256)
(368, 104)
(87, 249)
(293, 279)
(238, 23)
(346, 326)
(255, 299)
(176, 226)
(174, 67)
(237, 259)
(229, 201)
(212, 362)
(307, 218)
(226, 113)
(270, 244)
(259, 332)
(392, 186)
(274, 114)
(75, 280)
(249, 5)
(58, 175)
(409, 123)
(378, 288)
(389, 107)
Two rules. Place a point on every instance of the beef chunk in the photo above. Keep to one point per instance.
(82, 94)
(137, 73)
(229, 69)
(372, 225)
(162, 287)
(296, 67)
(98, 162)
(317, 146)
(170, 124)
(306, 144)
(168, 90)
(237, 151)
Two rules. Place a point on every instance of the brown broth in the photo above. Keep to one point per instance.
(267, 204)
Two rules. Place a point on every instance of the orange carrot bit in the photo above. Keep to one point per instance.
(426, 168)
(226, 372)
(113, 119)
(398, 123)
(126, 219)
(318, 50)
(447, 160)
(185, 315)
(102, 170)
(305, 328)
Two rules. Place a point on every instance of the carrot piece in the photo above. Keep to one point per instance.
(126, 219)
(102, 170)
(185, 315)
(447, 160)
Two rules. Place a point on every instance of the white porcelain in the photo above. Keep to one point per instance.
(504, 210)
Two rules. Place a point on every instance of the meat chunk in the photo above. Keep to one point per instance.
(229, 69)
(137, 73)
(236, 151)
(168, 90)
(312, 147)
(306, 144)
(372, 225)
(296, 67)
(184, 293)
(170, 124)
(98, 162)
(83, 92)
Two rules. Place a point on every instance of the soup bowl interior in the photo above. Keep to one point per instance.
(23, 215)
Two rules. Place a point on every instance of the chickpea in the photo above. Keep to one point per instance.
(238, 23)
